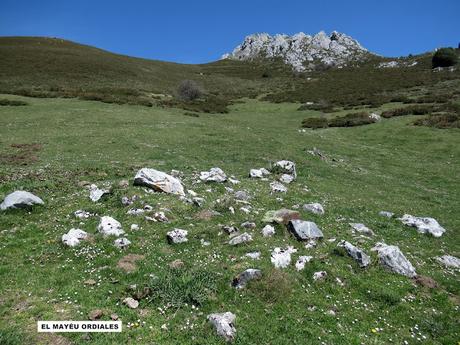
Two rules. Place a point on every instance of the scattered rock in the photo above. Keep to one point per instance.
(449, 261)
(114, 317)
(315, 208)
(198, 201)
(20, 199)
(242, 195)
(258, 173)
(134, 227)
(122, 243)
(304, 230)
(177, 236)
(80, 214)
(128, 262)
(281, 258)
(356, 253)
(95, 194)
(109, 226)
(131, 302)
(224, 324)
(205, 243)
(158, 181)
(253, 255)
(243, 238)
(286, 167)
(277, 187)
(301, 261)
(361, 228)
(424, 225)
(248, 225)
(95, 314)
(392, 258)
(123, 184)
(282, 216)
(268, 231)
(213, 175)
(375, 117)
(286, 178)
(321, 275)
(386, 214)
(229, 229)
(178, 263)
(243, 278)
(73, 237)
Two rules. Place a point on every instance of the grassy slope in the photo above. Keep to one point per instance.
(386, 166)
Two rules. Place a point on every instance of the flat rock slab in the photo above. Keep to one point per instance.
(393, 259)
(239, 239)
(362, 229)
(356, 253)
(159, 181)
(245, 277)
(304, 230)
(424, 225)
(224, 325)
(282, 216)
(95, 194)
(20, 199)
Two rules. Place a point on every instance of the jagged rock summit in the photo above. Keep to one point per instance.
(301, 51)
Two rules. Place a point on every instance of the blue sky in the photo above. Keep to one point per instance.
(197, 31)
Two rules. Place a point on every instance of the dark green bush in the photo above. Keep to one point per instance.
(443, 120)
(315, 122)
(11, 102)
(321, 105)
(351, 120)
(444, 57)
(189, 90)
(409, 110)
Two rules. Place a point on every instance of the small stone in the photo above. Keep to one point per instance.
(213, 175)
(229, 229)
(361, 228)
(253, 255)
(20, 199)
(224, 325)
(95, 314)
(282, 216)
(243, 238)
(286, 178)
(248, 225)
(449, 261)
(95, 194)
(286, 167)
(424, 225)
(301, 261)
(122, 243)
(321, 275)
(242, 195)
(123, 184)
(73, 237)
(268, 231)
(177, 236)
(134, 227)
(386, 214)
(277, 187)
(108, 226)
(243, 278)
(304, 230)
(281, 258)
(356, 253)
(315, 208)
(114, 317)
(131, 302)
(159, 181)
(90, 282)
(258, 173)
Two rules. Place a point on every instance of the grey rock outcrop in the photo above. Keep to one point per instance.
(393, 259)
(224, 325)
(20, 199)
(245, 277)
(213, 175)
(159, 181)
(301, 51)
(424, 225)
(356, 253)
(304, 230)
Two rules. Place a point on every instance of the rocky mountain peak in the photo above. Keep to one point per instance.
(301, 51)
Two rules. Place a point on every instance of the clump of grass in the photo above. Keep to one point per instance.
(11, 336)
(275, 286)
(189, 90)
(11, 102)
(177, 287)
(409, 110)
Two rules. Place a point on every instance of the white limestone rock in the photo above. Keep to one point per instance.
(268, 231)
(109, 226)
(73, 237)
(177, 236)
(239, 239)
(301, 261)
(224, 325)
(95, 194)
(362, 229)
(449, 261)
(301, 50)
(424, 225)
(356, 253)
(393, 259)
(159, 181)
(258, 173)
(304, 230)
(20, 199)
(213, 175)
(281, 258)
(121, 243)
(277, 187)
(315, 208)
(242, 279)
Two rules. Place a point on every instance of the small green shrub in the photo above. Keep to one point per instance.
(444, 57)
(11, 102)
(443, 121)
(409, 110)
(275, 286)
(181, 286)
(351, 120)
(315, 122)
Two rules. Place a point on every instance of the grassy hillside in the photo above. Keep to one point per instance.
(52, 146)
(49, 67)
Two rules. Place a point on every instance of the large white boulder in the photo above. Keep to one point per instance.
(20, 199)
(109, 226)
(159, 181)
(392, 258)
(73, 237)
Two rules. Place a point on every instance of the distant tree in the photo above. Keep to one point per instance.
(188, 90)
(444, 57)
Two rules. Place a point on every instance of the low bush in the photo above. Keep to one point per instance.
(11, 102)
(444, 57)
(315, 122)
(351, 120)
(189, 90)
(443, 120)
(409, 110)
